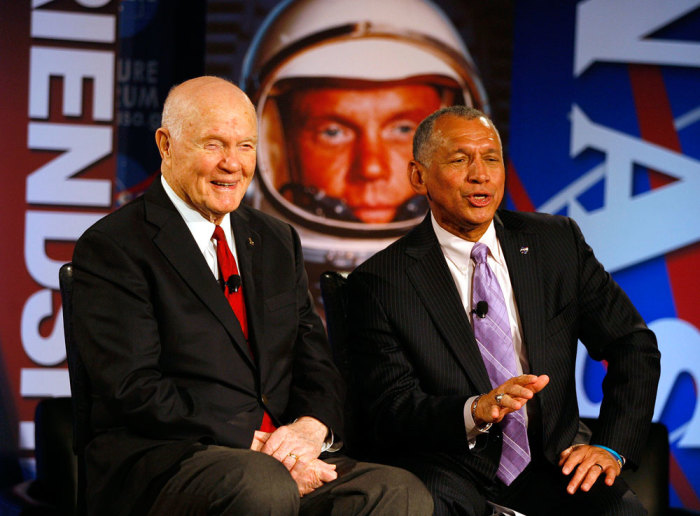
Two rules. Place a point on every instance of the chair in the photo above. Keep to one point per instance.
(650, 481)
(56, 483)
(52, 491)
(335, 303)
(79, 385)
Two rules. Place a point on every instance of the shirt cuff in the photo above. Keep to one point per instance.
(473, 431)
(330, 445)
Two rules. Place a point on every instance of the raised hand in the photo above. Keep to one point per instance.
(508, 397)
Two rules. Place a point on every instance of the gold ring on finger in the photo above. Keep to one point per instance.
(293, 455)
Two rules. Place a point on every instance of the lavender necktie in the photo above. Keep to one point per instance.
(492, 333)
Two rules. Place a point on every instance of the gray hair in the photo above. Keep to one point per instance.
(423, 143)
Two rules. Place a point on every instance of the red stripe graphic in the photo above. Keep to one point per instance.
(517, 191)
(657, 126)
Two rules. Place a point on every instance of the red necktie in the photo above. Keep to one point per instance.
(233, 290)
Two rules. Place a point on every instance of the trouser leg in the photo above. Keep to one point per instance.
(364, 488)
(228, 481)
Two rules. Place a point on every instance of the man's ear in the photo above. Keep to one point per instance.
(163, 142)
(416, 177)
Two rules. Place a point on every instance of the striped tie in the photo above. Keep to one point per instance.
(492, 333)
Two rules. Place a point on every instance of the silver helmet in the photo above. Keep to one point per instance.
(353, 43)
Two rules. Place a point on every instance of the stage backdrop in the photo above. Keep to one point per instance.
(77, 76)
(605, 128)
(602, 125)
(58, 141)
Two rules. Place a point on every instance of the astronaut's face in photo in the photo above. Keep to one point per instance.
(351, 145)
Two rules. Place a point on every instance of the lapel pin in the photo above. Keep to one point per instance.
(250, 242)
(524, 249)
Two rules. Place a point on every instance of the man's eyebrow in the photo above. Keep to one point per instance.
(411, 112)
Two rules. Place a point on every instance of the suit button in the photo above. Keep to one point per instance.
(264, 399)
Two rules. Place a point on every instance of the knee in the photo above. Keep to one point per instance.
(398, 488)
(453, 495)
(263, 486)
(615, 500)
(629, 505)
(418, 499)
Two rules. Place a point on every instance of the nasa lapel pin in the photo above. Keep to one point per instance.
(524, 249)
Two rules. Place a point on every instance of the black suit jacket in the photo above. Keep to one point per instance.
(167, 360)
(414, 348)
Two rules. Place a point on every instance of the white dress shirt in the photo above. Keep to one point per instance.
(202, 230)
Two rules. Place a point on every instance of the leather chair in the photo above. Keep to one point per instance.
(650, 481)
(335, 301)
(61, 430)
(52, 491)
(79, 385)
(56, 483)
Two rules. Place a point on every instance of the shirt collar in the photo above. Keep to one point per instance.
(456, 248)
(201, 228)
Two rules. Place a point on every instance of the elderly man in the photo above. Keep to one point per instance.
(214, 390)
(465, 334)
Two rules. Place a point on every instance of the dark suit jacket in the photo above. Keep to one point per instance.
(167, 359)
(414, 349)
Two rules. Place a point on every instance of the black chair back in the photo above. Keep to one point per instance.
(79, 383)
(56, 482)
(650, 480)
(335, 303)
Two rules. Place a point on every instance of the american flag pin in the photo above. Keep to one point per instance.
(524, 249)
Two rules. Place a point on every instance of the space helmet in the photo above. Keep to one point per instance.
(337, 42)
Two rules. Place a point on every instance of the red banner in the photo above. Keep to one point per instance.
(58, 65)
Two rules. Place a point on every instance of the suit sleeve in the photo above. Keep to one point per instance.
(399, 411)
(317, 389)
(612, 330)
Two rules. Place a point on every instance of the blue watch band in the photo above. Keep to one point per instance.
(619, 458)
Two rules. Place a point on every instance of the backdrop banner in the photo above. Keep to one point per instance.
(605, 128)
(58, 62)
(596, 102)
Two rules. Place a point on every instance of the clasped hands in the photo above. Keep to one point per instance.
(589, 461)
(298, 446)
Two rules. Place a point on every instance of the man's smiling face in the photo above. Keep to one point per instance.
(209, 161)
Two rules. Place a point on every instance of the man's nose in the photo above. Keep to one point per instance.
(230, 161)
(477, 171)
(369, 162)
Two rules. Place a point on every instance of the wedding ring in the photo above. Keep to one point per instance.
(601, 467)
(293, 455)
(499, 398)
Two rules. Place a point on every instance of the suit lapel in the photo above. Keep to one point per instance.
(435, 286)
(249, 245)
(175, 241)
(521, 250)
